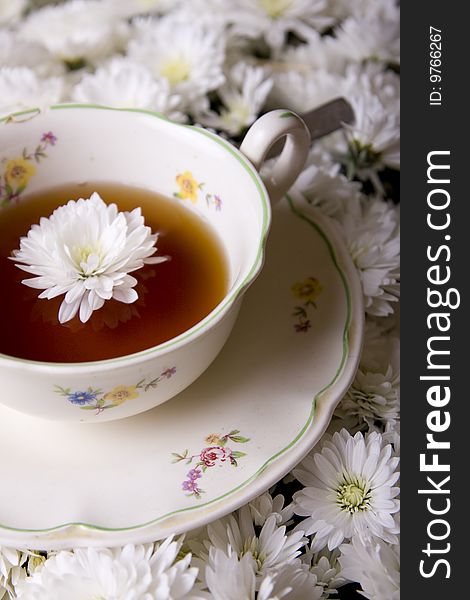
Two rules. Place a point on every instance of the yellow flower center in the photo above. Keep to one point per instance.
(275, 8)
(176, 70)
(81, 254)
(18, 171)
(353, 495)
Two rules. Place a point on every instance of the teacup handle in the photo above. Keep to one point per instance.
(263, 134)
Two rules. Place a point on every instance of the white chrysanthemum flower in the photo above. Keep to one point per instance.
(373, 140)
(76, 30)
(303, 88)
(270, 549)
(320, 53)
(86, 250)
(324, 187)
(242, 102)
(12, 569)
(370, 229)
(145, 571)
(375, 565)
(274, 19)
(381, 42)
(350, 490)
(374, 396)
(307, 75)
(265, 505)
(326, 568)
(11, 10)
(188, 54)
(229, 577)
(291, 581)
(22, 88)
(373, 399)
(121, 83)
(15, 52)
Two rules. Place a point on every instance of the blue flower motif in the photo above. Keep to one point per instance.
(82, 397)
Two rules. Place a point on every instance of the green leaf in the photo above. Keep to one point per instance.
(152, 384)
(239, 439)
(299, 311)
(233, 432)
(237, 454)
(60, 390)
(89, 407)
(286, 115)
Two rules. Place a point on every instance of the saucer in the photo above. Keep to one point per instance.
(245, 423)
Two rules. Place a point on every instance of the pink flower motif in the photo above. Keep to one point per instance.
(169, 372)
(218, 202)
(302, 326)
(194, 474)
(209, 456)
(49, 138)
(190, 485)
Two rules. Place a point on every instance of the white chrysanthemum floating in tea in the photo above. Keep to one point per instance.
(86, 250)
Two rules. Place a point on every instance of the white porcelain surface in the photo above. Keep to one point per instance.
(73, 144)
(272, 388)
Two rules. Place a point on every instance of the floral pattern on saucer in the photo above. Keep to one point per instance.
(17, 171)
(96, 399)
(216, 453)
(189, 189)
(307, 290)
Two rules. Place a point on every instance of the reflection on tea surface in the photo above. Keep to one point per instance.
(172, 297)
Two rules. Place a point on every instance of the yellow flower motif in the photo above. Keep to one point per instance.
(212, 439)
(308, 290)
(18, 172)
(188, 186)
(121, 394)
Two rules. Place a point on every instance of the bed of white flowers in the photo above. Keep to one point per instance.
(221, 63)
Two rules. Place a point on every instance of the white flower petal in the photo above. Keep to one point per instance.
(126, 295)
(68, 311)
(86, 246)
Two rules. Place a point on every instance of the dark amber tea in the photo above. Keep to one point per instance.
(173, 295)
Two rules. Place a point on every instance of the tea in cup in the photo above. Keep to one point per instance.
(211, 210)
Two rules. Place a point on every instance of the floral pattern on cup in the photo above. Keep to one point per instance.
(99, 400)
(308, 290)
(17, 171)
(215, 453)
(189, 189)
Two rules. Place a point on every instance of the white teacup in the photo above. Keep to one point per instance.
(145, 150)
